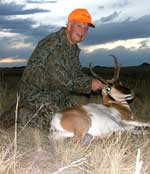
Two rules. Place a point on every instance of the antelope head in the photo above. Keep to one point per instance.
(114, 92)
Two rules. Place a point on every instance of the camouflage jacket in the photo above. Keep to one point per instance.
(53, 72)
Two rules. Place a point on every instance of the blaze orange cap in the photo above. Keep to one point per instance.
(81, 15)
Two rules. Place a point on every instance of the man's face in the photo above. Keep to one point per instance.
(77, 31)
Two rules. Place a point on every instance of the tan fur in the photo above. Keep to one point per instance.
(126, 113)
(75, 119)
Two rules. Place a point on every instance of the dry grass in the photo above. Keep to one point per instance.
(35, 153)
(30, 151)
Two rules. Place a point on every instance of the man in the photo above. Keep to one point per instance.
(53, 73)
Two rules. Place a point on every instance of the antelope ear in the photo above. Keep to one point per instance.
(120, 83)
(110, 81)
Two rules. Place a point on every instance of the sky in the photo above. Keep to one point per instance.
(122, 29)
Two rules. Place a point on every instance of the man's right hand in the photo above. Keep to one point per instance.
(96, 85)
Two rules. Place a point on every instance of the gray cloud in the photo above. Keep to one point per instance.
(15, 25)
(41, 2)
(110, 17)
(7, 51)
(17, 9)
(120, 4)
(24, 27)
(107, 32)
(125, 57)
(32, 36)
(101, 7)
(21, 27)
(144, 44)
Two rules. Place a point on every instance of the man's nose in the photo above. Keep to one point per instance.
(83, 31)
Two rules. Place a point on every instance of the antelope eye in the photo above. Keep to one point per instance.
(108, 88)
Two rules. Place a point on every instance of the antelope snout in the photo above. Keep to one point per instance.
(130, 96)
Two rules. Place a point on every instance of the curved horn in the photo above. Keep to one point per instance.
(117, 69)
(96, 75)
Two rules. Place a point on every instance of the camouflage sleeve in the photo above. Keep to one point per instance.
(34, 74)
(82, 82)
(73, 79)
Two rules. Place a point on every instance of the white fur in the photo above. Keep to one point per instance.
(57, 129)
(104, 121)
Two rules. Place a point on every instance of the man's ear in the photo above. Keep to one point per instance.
(69, 24)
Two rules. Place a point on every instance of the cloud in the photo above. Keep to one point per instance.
(138, 43)
(26, 33)
(125, 57)
(9, 62)
(25, 27)
(15, 46)
(100, 7)
(110, 17)
(17, 9)
(121, 3)
(22, 42)
(41, 2)
(145, 44)
(109, 32)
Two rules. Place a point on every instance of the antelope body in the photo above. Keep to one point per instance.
(98, 120)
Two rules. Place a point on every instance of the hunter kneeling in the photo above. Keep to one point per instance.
(54, 74)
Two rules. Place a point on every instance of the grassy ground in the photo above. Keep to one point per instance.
(32, 152)
(26, 150)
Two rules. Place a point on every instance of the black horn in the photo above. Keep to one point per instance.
(96, 75)
(117, 69)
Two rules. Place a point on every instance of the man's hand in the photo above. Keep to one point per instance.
(96, 84)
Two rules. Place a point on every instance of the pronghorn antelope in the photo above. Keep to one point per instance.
(98, 120)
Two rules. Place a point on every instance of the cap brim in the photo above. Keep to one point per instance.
(91, 25)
